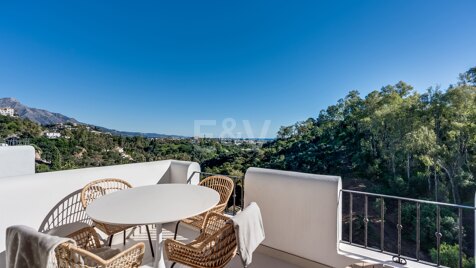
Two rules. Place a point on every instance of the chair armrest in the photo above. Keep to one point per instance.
(131, 257)
(213, 222)
(174, 244)
(220, 208)
(69, 255)
(86, 238)
(178, 252)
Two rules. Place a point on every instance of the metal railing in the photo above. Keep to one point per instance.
(398, 257)
(238, 182)
(15, 142)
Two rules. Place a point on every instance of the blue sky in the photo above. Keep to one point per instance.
(158, 66)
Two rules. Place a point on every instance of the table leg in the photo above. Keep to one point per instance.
(159, 258)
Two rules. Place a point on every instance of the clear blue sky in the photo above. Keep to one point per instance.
(157, 66)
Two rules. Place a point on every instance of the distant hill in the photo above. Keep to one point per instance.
(44, 117)
(133, 134)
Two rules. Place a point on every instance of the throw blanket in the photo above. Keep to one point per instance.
(249, 231)
(28, 248)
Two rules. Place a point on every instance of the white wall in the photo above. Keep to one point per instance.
(184, 169)
(300, 213)
(28, 199)
(17, 160)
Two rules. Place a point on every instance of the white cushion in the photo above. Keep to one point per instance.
(67, 229)
(105, 252)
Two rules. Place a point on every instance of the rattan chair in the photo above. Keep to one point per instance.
(69, 255)
(215, 247)
(101, 187)
(224, 186)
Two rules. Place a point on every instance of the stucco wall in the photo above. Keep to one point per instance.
(28, 199)
(17, 161)
(300, 213)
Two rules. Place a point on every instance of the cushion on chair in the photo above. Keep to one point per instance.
(66, 229)
(105, 252)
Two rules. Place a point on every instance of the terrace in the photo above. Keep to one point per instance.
(306, 216)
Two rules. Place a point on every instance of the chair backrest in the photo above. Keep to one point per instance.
(220, 247)
(86, 238)
(222, 184)
(98, 188)
(67, 214)
(68, 256)
(216, 244)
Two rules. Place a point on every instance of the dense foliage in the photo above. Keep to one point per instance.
(418, 145)
(80, 146)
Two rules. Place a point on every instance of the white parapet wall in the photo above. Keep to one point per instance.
(29, 199)
(17, 161)
(300, 213)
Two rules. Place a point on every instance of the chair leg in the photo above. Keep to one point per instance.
(150, 241)
(176, 230)
(124, 238)
(110, 239)
(173, 264)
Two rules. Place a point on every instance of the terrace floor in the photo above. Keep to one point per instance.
(263, 257)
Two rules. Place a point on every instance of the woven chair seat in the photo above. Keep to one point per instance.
(69, 255)
(215, 247)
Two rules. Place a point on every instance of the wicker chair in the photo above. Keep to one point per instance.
(101, 187)
(69, 255)
(215, 247)
(224, 186)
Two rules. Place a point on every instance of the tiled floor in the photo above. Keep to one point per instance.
(263, 257)
(186, 234)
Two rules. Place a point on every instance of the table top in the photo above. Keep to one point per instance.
(159, 203)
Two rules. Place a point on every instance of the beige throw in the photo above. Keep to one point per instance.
(249, 232)
(28, 248)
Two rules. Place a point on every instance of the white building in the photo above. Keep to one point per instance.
(7, 111)
(52, 135)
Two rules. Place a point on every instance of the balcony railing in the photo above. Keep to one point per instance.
(389, 210)
(15, 142)
(236, 201)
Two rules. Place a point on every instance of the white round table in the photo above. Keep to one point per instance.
(154, 204)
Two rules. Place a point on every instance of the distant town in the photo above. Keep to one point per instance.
(55, 131)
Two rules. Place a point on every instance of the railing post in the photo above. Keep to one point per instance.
(399, 227)
(366, 219)
(382, 223)
(234, 196)
(242, 193)
(351, 218)
(417, 253)
(438, 235)
(460, 237)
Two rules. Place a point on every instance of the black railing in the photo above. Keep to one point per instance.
(15, 142)
(239, 186)
(380, 201)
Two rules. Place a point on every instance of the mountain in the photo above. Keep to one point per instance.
(44, 117)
